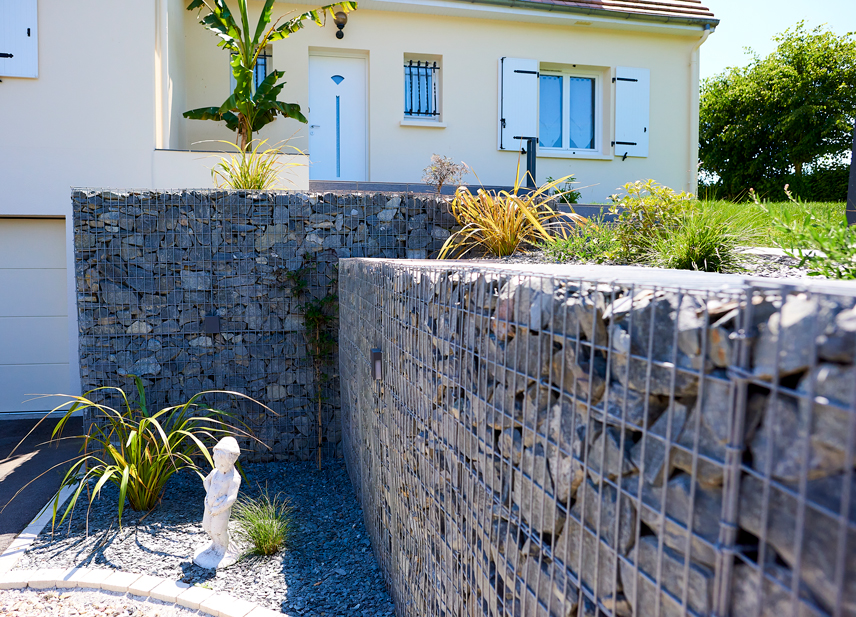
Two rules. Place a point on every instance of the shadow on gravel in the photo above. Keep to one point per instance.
(328, 568)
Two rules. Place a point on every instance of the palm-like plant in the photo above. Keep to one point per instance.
(248, 108)
(139, 451)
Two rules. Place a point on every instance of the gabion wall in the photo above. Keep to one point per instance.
(150, 267)
(540, 445)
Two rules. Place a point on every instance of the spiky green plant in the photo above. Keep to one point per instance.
(139, 451)
(264, 523)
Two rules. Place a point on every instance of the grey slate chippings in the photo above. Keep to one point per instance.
(491, 490)
(328, 568)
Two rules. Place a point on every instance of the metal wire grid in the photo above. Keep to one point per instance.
(151, 266)
(464, 525)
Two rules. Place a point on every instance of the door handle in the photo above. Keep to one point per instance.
(5, 55)
(314, 126)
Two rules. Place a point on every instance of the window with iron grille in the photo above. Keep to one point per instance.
(420, 89)
(261, 70)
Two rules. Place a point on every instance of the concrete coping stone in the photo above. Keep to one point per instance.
(140, 585)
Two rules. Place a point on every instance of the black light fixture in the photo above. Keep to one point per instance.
(340, 19)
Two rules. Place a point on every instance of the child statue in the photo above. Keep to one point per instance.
(221, 491)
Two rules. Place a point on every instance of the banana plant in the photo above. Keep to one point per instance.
(248, 108)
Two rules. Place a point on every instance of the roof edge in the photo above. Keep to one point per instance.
(550, 6)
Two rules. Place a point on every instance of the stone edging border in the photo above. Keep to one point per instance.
(141, 585)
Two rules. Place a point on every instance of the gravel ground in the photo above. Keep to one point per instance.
(763, 265)
(60, 603)
(327, 569)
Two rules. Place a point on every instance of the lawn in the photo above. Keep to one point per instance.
(760, 218)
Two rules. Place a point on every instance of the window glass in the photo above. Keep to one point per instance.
(550, 130)
(420, 90)
(581, 125)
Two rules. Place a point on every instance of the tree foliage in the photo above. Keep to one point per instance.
(789, 113)
(248, 108)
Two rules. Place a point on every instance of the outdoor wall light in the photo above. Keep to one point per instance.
(377, 364)
(340, 19)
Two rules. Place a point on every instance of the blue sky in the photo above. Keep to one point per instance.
(752, 23)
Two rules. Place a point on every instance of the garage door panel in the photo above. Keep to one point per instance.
(22, 382)
(33, 340)
(32, 243)
(31, 293)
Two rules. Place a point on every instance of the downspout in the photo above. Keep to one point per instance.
(692, 150)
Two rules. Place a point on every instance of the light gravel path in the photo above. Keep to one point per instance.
(63, 603)
(328, 568)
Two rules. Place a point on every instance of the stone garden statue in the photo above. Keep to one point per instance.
(221, 491)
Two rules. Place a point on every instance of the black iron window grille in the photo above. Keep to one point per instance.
(260, 71)
(420, 89)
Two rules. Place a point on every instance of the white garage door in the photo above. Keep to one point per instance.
(33, 313)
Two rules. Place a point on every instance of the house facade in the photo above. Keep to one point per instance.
(93, 92)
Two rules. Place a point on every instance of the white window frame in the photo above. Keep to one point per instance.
(566, 151)
(417, 120)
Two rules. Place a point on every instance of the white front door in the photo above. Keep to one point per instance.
(337, 118)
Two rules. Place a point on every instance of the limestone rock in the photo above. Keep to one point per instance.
(649, 453)
(796, 326)
(747, 601)
(838, 342)
(821, 535)
(534, 493)
(699, 588)
(707, 511)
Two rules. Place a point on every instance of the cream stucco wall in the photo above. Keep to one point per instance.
(470, 48)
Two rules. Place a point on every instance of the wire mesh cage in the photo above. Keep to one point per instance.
(542, 445)
(209, 289)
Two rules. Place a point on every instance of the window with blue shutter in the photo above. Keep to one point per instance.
(19, 43)
(632, 104)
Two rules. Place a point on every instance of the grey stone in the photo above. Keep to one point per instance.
(649, 453)
(675, 526)
(145, 367)
(821, 539)
(418, 239)
(796, 326)
(635, 374)
(510, 444)
(273, 234)
(118, 295)
(779, 443)
(637, 410)
(195, 281)
(838, 341)
(534, 493)
(581, 312)
(387, 215)
(699, 587)
(577, 377)
(748, 601)
(608, 455)
(697, 434)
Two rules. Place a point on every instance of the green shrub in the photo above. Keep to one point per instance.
(703, 238)
(567, 194)
(138, 451)
(264, 523)
(647, 212)
(593, 240)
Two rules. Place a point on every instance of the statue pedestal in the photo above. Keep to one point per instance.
(213, 557)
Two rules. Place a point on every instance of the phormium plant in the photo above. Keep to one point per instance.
(500, 223)
(138, 450)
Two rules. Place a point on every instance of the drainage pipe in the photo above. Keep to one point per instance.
(692, 150)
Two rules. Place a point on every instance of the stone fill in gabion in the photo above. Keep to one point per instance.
(544, 445)
(152, 265)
